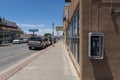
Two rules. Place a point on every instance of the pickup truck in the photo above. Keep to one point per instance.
(36, 42)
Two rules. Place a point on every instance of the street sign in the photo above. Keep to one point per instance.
(33, 30)
(59, 28)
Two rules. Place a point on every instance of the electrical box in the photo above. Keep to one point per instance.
(96, 45)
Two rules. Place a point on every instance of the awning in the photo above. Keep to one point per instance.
(10, 29)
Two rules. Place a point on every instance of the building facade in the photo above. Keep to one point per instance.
(92, 24)
(8, 31)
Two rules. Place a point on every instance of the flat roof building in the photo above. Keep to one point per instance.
(8, 30)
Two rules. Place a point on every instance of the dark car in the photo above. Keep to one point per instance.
(1, 41)
(48, 42)
(36, 42)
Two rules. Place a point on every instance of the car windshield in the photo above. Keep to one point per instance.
(46, 39)
(35, 39)
(17, 39)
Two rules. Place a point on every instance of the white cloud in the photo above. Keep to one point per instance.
(40, 32)
(42, 29)
(31, 25)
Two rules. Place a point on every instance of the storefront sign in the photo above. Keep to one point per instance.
(33, 30)
(59, 28)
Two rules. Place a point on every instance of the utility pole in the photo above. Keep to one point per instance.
(53, 33)
(33, 34)
(53, 29)
(3, 36)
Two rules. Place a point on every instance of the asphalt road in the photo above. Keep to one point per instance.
(10, 55)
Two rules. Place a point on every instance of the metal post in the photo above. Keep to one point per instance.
(53, 28)
(25, 34)
(53, 33)
(33, 34)
(3, 36)
(57, 33)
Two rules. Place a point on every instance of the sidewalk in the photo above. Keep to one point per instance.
(53, 64)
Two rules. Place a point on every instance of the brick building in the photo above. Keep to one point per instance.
(83, 17)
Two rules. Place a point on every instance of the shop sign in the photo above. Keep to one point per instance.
(59, 28)
(33, 30)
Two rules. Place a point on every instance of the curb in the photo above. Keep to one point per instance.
(4, 75)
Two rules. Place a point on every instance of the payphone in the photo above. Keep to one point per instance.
(96, 45)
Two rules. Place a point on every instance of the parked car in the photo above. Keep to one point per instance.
(36, 42)
(47, 40)
(1, 40)
(17, 41)
(51, 40)
(25, 40)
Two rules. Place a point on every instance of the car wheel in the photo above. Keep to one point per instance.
(43, 47)
(30, 48)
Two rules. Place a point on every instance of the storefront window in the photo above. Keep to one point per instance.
(73, 37)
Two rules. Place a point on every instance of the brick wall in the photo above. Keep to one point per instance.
(95, 16)
(100, 20)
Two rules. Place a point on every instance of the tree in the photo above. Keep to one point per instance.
(22, 32)
(47, 34)
(2, 23)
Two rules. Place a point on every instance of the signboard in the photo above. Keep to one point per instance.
(59, 28)
(33, 30)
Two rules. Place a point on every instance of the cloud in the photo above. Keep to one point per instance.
(40, 32)
(31, 25)
(43, 31)
(41, 27)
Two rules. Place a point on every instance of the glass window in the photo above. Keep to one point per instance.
(72, 37)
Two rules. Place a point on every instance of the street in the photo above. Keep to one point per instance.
(10, 55)
(52, 63)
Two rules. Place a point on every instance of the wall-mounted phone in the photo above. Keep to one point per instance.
(96, 45)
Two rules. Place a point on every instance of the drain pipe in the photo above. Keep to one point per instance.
(98, 6)
(91, 16)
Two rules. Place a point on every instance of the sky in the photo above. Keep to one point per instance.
(33, 14)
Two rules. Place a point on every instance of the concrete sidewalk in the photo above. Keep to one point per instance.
(53, 64)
